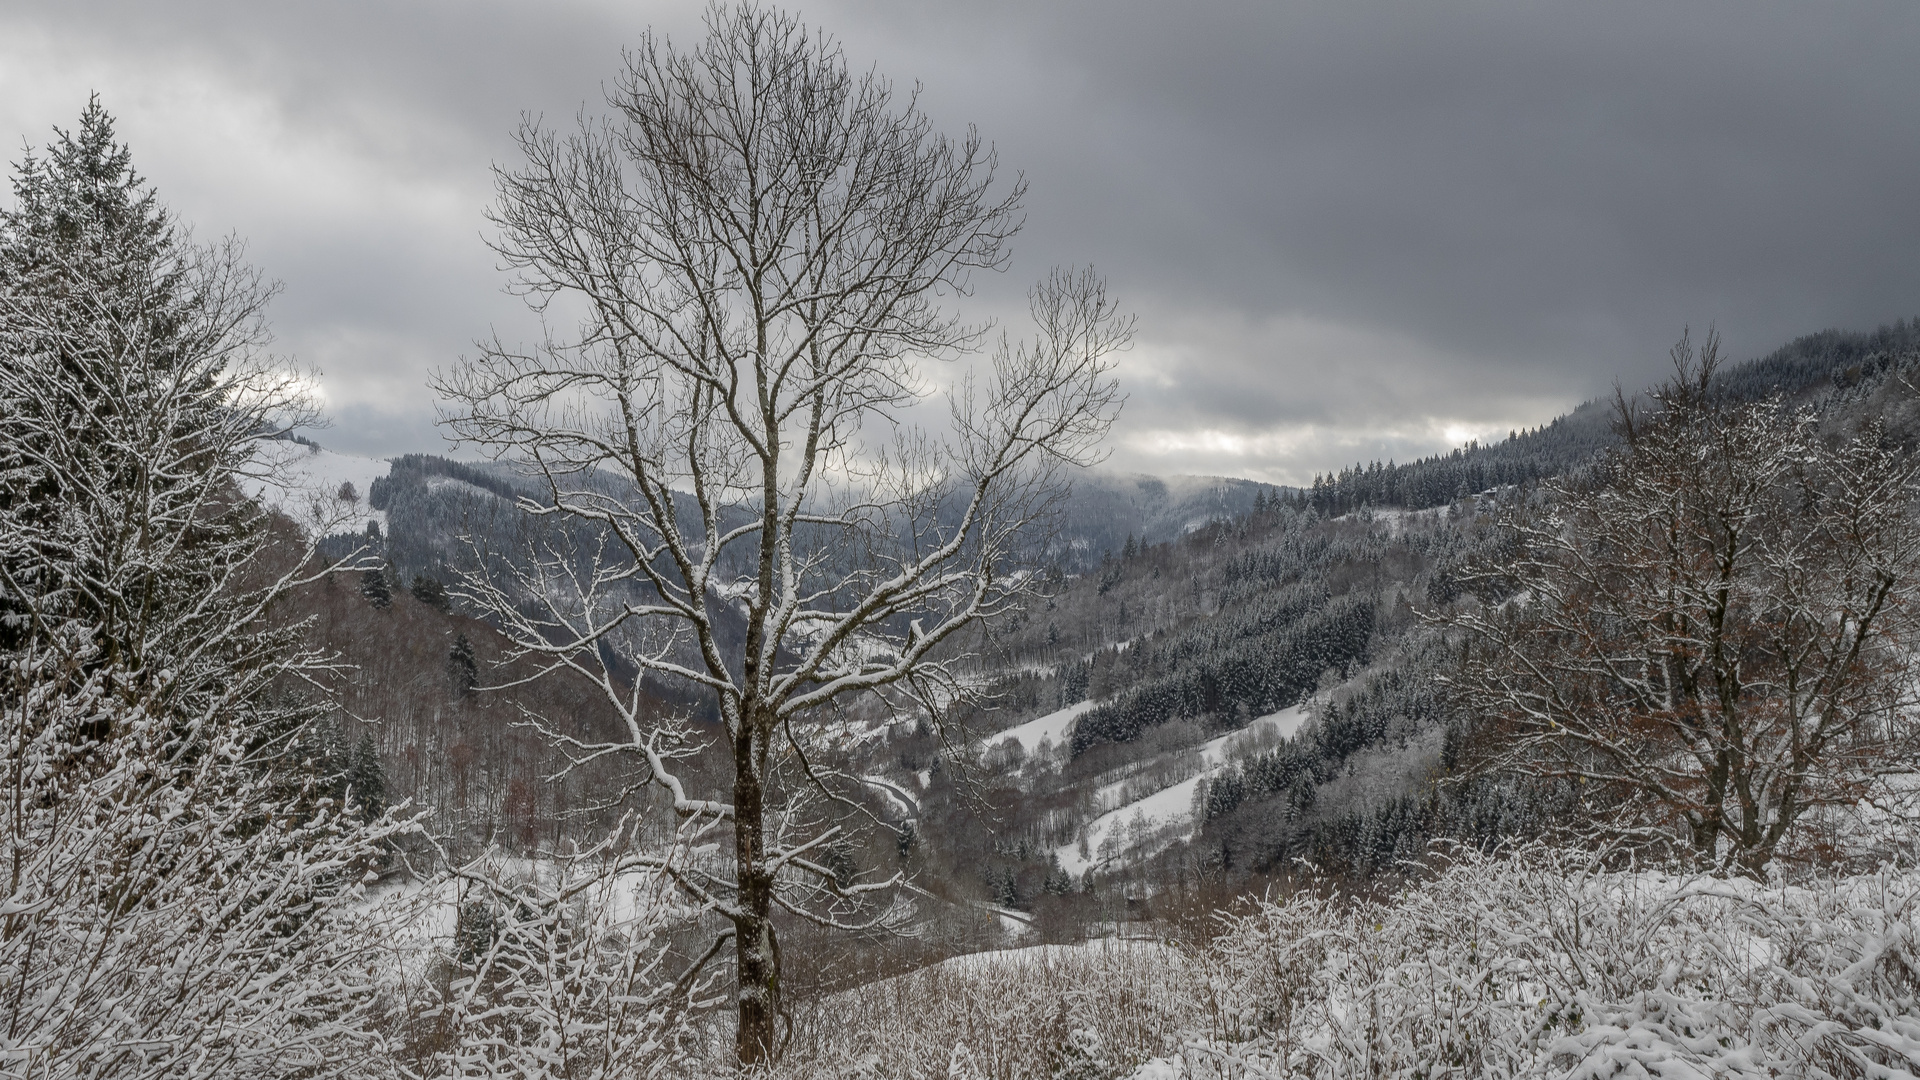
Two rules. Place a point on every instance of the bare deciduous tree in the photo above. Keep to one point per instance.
(1713, 638)
(755, 245)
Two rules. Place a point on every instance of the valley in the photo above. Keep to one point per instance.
(1246, 686)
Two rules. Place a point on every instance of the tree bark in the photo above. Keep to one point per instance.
(755, 950)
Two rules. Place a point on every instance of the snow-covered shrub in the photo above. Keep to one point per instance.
(177, 922)
(1088, 1012)
(555, 968)
(1545, 964)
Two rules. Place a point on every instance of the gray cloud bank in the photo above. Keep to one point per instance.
(1351, 229)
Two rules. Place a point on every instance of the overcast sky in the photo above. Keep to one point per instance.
(1351, 230)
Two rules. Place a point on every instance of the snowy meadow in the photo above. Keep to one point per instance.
(1540, 963)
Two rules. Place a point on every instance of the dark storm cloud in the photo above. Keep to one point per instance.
(1352, 229)
(1523, 200)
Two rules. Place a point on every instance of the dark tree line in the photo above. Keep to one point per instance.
(1254, 675)
(1395, 705)
(1521, 458)
(1296, 600)
(1837, 358)
(1268, 811)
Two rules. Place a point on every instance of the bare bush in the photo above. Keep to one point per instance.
(1092, 1012)
(531, 969)
(1546, 963)
(1717, 638)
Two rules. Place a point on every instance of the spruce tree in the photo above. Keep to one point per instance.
(1058, 881)
(373, 586)
(367, 779)
(461, 667)
(429, 591)
(171, 886)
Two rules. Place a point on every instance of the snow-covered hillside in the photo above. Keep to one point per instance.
(307, 483)
(1540, 963)
(1052, 728)
(1140, 828)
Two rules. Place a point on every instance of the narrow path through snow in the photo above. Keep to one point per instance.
(896, 794)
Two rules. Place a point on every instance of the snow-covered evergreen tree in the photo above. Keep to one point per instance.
(373, 585)
(461, 667)
(177, 884)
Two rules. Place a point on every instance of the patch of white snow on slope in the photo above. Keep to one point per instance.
(1053, 726)
(1148, 824)
(304, 482)
(1260, 734)
(1268, 729)
(1037, 956)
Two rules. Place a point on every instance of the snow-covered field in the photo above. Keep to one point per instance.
(1146, 825)
(1009, 1013)
(1028, 957)
(1053, 727)
(305, 483)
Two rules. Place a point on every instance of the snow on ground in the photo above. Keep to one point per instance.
(303, 482)
(1134, 829)
(1265, 732)
(851, 734)
(1014, 924)
(1036, 955)
(1052, 727)
(1269, 729)
(1144, 826)
(1395, 519)
(419, 917)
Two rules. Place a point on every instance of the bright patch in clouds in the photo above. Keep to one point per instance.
(1285, 398)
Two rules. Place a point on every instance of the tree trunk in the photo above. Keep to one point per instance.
(755, 949)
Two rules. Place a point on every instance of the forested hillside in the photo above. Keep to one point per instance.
(1152, 659)
(1807, 367)
(1184, 611)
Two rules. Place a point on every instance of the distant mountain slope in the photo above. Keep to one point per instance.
(436, 496)
(425, 502)
(1836, 357)
(1830, 358)
(1106, 508)
(320, 490)
(1312, 603)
